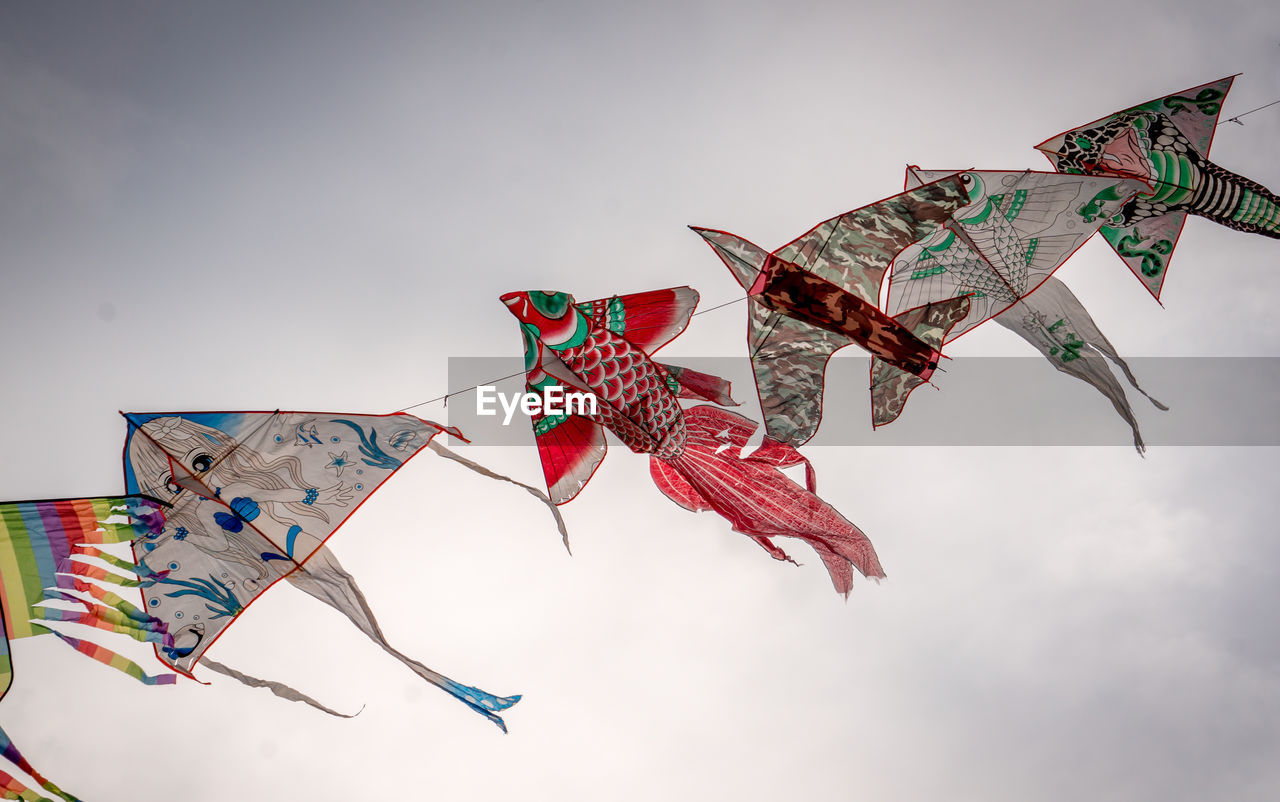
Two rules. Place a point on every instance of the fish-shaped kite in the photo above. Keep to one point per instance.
(1057, 325)
(1165, 142)
(821, 292)
(602, 349)
(1001, 250)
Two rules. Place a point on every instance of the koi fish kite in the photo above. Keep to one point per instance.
(1001, 249)
(821, 292)
(222, 506)
(602, 348)
(1165, 143)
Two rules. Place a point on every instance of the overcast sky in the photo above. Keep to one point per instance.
(315, 206)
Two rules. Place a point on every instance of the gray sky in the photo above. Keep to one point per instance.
(315, 206)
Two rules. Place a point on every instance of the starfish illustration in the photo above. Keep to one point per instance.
(339, 461)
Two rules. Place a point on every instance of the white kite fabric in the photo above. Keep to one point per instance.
(253, 496)
(1002, 250)
(1054, 321)
(1018, 227)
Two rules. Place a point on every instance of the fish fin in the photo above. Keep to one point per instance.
(571, 448)
(789, 358)
(702, 386)
(744, 259)
(760, 501)
(676, 487)
(890, 385)
(649, 320)
(1147, 246)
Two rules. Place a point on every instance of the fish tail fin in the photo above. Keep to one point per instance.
(890, 385)
(715, 471)
(744, 259)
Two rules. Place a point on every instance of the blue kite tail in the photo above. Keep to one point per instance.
(480, 701)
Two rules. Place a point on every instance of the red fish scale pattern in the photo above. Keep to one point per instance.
(639, 407)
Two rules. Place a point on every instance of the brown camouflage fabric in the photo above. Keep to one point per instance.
(853, 251)
(890, 385)
(797, 293)
(792, 335)
(789, 358)
(744, 259)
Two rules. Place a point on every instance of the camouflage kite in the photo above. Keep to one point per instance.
(821, 292)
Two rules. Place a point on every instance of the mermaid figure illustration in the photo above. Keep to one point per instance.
(250, 507)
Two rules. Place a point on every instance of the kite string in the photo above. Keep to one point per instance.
(445, 398)
(1236, 119)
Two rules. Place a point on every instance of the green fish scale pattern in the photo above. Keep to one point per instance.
(988, 279)
(639, 406)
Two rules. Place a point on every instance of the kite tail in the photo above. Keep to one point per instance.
(752, 493)
(1054, 321)
(13, 789)
(278, 688)
(107, 657)
(324, 578)
(109, 620)
(533, 491)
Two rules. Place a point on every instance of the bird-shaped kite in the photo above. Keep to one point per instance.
(601, 349)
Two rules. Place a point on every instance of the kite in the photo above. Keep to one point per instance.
(221, 506)
(1057, 325)
(38, 540)
(821, 292)
(1165, 143)
(1000, 251)
(600, 352)
(253, 496)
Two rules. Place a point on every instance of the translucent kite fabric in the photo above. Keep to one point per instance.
(699, 457)
(1165, 143)
(821, 292)
(1054, 321)
(224, 504)
(1017, 228)
(253, 497)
